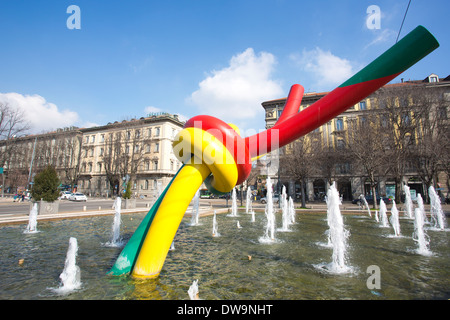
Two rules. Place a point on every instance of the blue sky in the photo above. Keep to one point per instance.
(217, 57)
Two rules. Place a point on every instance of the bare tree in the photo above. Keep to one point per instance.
(366, 140)
(430, 153)
(297, 162)
(399, 121)
(12, 125)
(124, 155)
(111, 160)
(68, 151)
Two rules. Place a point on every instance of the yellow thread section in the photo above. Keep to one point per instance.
(167, 220)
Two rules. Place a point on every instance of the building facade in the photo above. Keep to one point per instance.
(336, 134)
(98, 161)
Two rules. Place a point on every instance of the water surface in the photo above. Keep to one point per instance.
(286, 269)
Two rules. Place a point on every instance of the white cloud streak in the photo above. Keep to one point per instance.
(41, 114)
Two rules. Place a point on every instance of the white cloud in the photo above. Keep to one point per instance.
(326, 69)
(151, 109)
(383, 36)
(42, 115)
(235, 93)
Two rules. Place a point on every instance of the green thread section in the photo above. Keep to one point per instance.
(402, 55)
(128, 256)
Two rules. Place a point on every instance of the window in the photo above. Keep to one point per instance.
(157, 131)
(128, 135)
(136, 148)
(157, 147)
(155, 165)
(127, 149)
(102, 151)
(147, 165)
(146, 185)
(442, 113)
(93, 139)
(384, 121)
(102, 138)
(362, 105)
(433, 79)
(280, 111)
(137, 134)
(149, 132)
(91, 152)
(99, 167)
(339, 124)
(343, 168)
(362, 121)
(89, 167)
(147, 148)
(406, 121)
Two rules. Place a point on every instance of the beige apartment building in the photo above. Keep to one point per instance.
(139, 150)
(98, 161)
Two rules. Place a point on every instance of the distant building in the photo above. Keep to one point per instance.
(99, 160)
(351, 182)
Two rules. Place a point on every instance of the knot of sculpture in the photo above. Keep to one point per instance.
(217, 145)
(214, 153)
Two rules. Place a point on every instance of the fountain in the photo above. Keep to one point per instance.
(248, 202)
(288, 263)
(32, 220)
(193, 291)
(286, 219)
(437, 215)
(383, 215)
(421, 207)
(337, 234)
(116, 241)
(233, 204)
(291, 211)
(195, 209)
(269, 235)
(420, 235)
(70, 277)
(215, 233)
(253, 215)
(394, 220)
(408, 203)
(366, 205)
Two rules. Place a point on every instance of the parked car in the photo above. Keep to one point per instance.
(77, 197)
(369, 200)
(207, 196)
(275, 199)
(65, 195)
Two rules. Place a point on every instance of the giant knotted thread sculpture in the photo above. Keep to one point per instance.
(213, 151)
